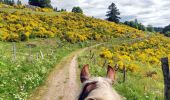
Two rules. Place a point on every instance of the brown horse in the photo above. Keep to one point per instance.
(98, 88)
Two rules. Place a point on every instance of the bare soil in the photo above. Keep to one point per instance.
(62, 82)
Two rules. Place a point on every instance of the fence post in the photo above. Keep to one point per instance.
(42, 55)
(37, 56)
(124, 73)
(92, 56)
(14, 51)
(105, 62)
(166, 74)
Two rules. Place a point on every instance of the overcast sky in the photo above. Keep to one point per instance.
(154, 12)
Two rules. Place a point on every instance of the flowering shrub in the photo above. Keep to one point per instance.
(106, 53)
(147, 51)
(70, 26)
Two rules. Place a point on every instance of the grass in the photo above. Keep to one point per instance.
(18, 78)
(137, 85)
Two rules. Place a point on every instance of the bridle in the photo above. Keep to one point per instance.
(87, 89)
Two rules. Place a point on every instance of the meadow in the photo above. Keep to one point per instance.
(141, 60)
(26, 67)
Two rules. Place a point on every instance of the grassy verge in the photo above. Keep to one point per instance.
(34, 60)
(137, 85)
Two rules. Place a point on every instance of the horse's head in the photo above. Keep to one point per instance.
(97, 88)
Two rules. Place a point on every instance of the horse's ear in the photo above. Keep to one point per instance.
(85, 75)
(111, 73)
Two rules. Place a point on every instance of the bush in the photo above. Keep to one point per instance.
(13, 37)
(77, 10)
(168, 34)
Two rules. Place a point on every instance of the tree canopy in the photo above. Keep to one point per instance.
(19, 2)
(150, 28)
(8, 2)
(77, 10)
(135, 24)
(113, 13)
(166, 30)
(40, 3)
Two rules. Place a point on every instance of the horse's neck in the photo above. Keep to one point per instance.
(103, 90)
(104, 93)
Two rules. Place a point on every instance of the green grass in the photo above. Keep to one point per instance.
(137, 86)
(18, 78)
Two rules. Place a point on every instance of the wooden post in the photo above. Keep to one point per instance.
(94, 60)
(30, 56)
(37, 56)
(14, 51)
(105, 62)
(52, 51)
(90, 53)
(92, 56)
(166, 74)
(124, 73)
(42, 56)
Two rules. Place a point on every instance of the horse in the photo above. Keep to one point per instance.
(98, 88)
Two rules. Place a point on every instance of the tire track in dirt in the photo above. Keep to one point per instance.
(61, 84)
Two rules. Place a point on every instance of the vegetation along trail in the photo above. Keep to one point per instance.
(61, 84)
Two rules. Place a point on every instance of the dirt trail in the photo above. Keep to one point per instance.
(61, 84)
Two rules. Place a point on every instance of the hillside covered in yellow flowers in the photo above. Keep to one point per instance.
(41, 37)
(17, 25)
(139, 58)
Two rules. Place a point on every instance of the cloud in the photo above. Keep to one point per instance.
(154, 12)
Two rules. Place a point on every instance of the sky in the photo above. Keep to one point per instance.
(148, 12)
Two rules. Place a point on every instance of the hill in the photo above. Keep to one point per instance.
(20, 25)
(49, 36)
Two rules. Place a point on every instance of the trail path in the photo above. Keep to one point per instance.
(62, 82)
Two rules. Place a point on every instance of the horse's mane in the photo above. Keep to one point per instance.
(84, 92)
(93, 84)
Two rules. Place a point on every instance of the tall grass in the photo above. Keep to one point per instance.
(137, 85)
(34, 60)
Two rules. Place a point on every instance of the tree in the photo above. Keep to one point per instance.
(150, 28)
(12, 2)
(167, 34)
(5, 1)
(141, 27)
(135, 24)
(166, 29)
(113, 13)
(34, 2)
(62, 10)
(55, 9)
(77, 10)
(127, 23)
(8, 2)
(136, 21)
(40, 3)
(158, 29)
(19, 2)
